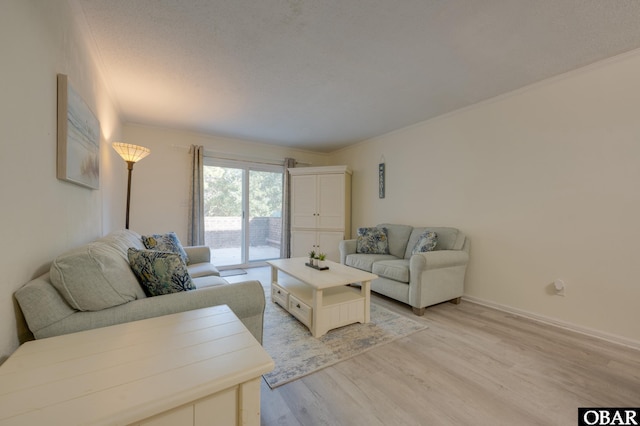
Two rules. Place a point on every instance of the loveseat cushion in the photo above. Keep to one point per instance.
(365, 261)
(372, 241)
(448, 239)
(398, 236)
(94, 277)
(160, 272)
(397, 270)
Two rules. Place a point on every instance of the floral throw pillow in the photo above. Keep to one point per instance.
(426, 242)
(372, 241)
(160, 272)
(165, 242)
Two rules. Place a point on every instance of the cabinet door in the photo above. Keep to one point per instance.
(302, 242)
(303, 205)
(328, 243)
(331, 201)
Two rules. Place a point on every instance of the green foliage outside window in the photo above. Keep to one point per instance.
(223, 192)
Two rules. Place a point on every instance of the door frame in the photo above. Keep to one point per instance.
(246, 167)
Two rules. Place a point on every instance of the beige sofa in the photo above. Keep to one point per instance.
(419, 280)
(94, 286)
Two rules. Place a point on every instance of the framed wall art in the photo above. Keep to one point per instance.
(78, 138)
(381, 188)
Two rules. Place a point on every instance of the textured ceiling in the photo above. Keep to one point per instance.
(322, 74)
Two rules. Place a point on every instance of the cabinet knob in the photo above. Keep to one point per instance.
(298, 306)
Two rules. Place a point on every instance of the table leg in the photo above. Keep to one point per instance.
(365, 291)
(317, 325)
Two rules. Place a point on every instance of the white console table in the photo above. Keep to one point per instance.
(193, 368)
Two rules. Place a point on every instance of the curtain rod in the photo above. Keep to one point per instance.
(226, 156)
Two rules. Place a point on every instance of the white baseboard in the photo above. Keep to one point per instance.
(634, 344)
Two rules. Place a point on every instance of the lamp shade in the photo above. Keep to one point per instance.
(131, 153)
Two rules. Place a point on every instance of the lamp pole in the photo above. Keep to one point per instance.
(130, 169)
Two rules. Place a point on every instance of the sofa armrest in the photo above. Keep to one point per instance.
(438, 259)
(246, 299)
(198, 254)
(346, 247)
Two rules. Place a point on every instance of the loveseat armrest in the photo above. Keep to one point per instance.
(346, 248)
(436, 276)
(438, 259)
(198, 254)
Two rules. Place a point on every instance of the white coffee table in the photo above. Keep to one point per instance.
(321, 300)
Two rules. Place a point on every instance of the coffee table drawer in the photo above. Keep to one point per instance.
(300, 310)
(279, 295)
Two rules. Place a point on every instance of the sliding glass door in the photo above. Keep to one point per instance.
(243, 211)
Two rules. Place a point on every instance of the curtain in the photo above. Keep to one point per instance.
(196, 197)
(285, 249)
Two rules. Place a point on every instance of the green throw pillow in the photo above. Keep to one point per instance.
(160, 272)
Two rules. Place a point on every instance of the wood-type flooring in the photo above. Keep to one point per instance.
(473, 366)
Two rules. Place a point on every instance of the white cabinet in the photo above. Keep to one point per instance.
(303, 241)
(320, 210)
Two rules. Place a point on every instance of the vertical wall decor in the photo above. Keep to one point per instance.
(78, 138)
(381, 172)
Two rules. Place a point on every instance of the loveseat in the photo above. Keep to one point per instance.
(421, 279)
(94, 286)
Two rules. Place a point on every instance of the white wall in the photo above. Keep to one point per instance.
(545, 182)
(42, 216)
(160, 182)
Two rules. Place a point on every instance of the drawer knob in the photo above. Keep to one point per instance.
(278, 291)
(298, 306)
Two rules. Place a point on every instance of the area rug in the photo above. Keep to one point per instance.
(297, 353)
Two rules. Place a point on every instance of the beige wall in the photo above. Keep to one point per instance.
(41, 215)
(160, 182)
(546, 183)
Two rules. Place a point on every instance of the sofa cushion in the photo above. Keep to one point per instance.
(365, 261)
(447, 239)
(94, 277)
(121, 240)
(208, 281)
(372, 241)
(397, 270)
(398, 236)
(160, 272)
(168, 242)
(202, 270)
(42, 304)
(426, 242)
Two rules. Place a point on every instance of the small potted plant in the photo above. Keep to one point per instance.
(312, 255)
(321, 260)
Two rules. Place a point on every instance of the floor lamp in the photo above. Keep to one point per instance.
(131, 154)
